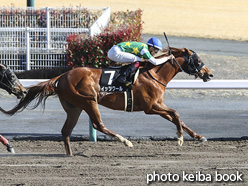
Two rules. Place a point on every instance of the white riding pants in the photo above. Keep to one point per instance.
(117, 55)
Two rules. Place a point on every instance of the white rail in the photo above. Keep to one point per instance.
(179, 84)
(213, 84)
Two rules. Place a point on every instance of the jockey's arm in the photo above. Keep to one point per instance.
(159, 61)
(146, 55)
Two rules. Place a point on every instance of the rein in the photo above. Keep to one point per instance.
(148, 72)
(178, 65)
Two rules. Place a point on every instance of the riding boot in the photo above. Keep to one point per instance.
(123, 77)
(3, 140)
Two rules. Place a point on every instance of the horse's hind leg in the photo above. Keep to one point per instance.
(73, 114)
(95, 116)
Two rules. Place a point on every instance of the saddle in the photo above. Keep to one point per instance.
(110, 85)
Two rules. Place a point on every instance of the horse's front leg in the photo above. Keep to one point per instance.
(173, 116)
(192, 133)
(170, 115)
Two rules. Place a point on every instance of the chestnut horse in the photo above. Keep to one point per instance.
(79, 90)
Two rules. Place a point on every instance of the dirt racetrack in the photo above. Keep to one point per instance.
(110, 163)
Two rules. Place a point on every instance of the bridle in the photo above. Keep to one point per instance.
(7, 84)
(192, 66)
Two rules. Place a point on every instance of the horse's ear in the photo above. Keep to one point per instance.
(184, 49)
(3, 67)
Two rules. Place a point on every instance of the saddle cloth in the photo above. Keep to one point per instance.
(109, 83)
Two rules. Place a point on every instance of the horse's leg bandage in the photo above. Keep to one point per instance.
(124, 140)
(128, 98)
(3, 140)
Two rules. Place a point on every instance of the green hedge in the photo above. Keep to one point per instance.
(92, 52)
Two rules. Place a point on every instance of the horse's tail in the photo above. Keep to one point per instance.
(39, 92)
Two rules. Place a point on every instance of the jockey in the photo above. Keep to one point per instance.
(134, 52)
(5, 142)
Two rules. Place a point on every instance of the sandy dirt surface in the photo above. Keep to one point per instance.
(110, 163)
(221, 19)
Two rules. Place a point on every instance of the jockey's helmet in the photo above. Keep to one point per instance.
(155, 42)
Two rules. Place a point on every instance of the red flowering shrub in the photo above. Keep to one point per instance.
(92, 52)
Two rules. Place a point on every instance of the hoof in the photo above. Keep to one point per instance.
(128, 143)
(203, 139)
(180, 141)
(10, 149)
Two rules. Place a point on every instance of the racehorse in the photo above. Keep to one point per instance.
(79, 89)
(10, 83)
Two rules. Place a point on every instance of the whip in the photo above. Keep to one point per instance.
(167, 43)
(171, 53)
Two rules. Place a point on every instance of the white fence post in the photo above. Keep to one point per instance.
(27, 49)
(48, 26)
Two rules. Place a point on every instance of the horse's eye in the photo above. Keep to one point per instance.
(12, 77)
